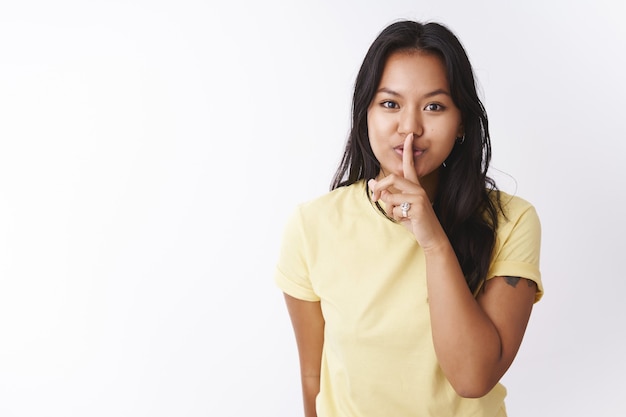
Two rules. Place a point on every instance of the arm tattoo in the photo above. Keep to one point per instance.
(512, 281)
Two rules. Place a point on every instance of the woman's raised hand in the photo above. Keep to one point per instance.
(418, 215)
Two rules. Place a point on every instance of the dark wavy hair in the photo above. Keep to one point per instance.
(467, 202)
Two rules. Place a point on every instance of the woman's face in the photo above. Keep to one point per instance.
(413, 98)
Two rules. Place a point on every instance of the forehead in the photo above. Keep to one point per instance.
(414, 70)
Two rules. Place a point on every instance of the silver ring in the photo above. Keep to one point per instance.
(405, 209)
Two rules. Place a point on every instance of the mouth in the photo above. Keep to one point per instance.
(416, 151)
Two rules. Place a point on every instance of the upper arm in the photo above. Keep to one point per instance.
(508, 302)
(308, 325)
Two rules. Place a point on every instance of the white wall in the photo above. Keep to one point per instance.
(150, 152)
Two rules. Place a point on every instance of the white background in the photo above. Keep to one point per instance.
(150, 152)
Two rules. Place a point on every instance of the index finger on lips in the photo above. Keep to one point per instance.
(408, 163)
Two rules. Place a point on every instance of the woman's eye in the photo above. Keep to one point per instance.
(389, 105)
(434, 107)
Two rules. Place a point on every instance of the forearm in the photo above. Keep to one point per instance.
(310, 389)
(466, 341)
(308, 324)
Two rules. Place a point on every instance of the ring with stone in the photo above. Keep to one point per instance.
(405, 209)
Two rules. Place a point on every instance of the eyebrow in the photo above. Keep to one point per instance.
(427, 95)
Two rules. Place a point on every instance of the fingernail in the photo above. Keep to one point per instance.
(371, 183)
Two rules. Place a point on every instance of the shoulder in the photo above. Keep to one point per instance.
(518, 223)
(325, 215)
(326, 218)
(518, 241)
(514, 203)
(514, 209)
(340, 200)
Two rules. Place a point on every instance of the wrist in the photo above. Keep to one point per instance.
(439, 247)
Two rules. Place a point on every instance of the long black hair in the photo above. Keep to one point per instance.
(467, 202)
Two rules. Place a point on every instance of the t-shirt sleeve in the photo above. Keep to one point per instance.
(292, 271)
(518, 247)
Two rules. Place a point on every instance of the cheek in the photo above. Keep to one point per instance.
(376, 125)
(371, 128)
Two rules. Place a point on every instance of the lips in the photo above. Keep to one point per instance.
(416, 151)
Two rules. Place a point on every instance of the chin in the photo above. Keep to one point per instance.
(428, 173)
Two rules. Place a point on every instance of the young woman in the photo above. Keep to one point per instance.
(410, 284)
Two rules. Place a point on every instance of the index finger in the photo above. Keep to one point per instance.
(408, 162)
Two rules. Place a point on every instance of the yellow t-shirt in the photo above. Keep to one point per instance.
(369, 275)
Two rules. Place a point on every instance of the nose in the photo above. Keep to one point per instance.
(410, 122)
